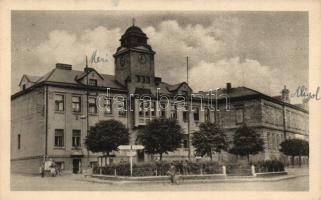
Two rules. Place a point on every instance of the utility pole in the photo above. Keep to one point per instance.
(188, 116)
(87, 104)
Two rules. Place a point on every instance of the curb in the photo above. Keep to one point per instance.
(220, 180)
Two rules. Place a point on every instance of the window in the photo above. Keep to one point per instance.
(23, 86)
(143, 79)
(207, 114)
(19, 141)
(268, 140)
(162, 109)
(185, 141)
(141, 108)
(275, 146)
(122, 107)
(185, 93)
(147, 79)
(153, 109)
(108, 106)
(76, 105)
(59, 102)
(93, 82)
(174, 111)
(59, 138)
(138, 78)
(147, 108)
(185, 114)
(76, 138)
(196, 113)
(239, 116)
(92, 108)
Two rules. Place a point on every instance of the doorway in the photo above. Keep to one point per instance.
(76, 166)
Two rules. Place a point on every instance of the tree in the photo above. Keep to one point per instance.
(295, 147)
(161, 136)
(106, 136)
(210, 138)
(246, 142)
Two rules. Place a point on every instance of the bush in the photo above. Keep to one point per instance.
(269, 166)
(160, 168)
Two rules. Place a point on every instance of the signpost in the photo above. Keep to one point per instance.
(131, 152)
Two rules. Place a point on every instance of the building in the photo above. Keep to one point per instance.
(51, 114)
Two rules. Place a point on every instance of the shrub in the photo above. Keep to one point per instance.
(161, 168)
(269, 166)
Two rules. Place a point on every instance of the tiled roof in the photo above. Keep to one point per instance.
(232, 93)
(69, 77)
(32, 78)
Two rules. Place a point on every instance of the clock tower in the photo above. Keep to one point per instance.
(134, 60)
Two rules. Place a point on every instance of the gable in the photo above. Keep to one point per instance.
(90, 74)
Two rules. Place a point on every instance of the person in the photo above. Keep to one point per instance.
(53, 171)
(172, 173)
(42, 170)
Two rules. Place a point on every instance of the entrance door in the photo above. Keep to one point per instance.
(76, 165)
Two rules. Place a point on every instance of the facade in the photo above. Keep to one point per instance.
(51, 114)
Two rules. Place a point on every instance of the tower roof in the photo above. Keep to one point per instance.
(133, 31)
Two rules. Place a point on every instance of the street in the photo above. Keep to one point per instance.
(79, 183)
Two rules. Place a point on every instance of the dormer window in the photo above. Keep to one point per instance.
(23, 86)
(93, 82)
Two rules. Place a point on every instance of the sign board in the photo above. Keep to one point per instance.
(131, 147)
(131, 153)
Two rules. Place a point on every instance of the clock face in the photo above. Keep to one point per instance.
(122, 61)
(142, 58)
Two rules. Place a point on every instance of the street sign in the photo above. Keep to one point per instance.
(131, 153)
(131, 147)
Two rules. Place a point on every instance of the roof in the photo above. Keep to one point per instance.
(232, 93)
(30, 78)
(243, 92)
(134, 30)
(70, 77)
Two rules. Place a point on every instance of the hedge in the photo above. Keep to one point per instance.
(160, 168)
(269, 166)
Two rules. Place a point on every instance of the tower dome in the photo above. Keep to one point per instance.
(133, 37)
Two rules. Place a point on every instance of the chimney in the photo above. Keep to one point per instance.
(63, 66)
(228, 87)
(285, 97)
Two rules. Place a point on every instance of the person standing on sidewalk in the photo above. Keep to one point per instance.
(172, 173)
(42, 170)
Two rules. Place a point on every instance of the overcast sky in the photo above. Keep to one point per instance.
(260, 50)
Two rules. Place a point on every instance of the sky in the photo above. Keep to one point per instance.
(260, 50)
